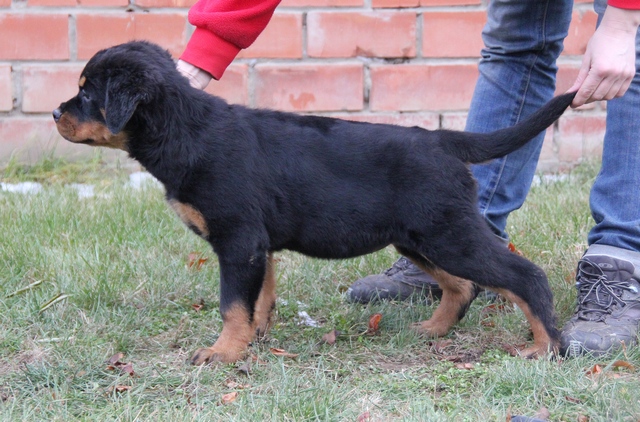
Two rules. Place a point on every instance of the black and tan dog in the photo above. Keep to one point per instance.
(253, 182)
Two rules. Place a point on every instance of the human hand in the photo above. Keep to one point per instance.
(608, 65)
(197, 77)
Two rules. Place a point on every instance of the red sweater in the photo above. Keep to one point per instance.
(224, 27)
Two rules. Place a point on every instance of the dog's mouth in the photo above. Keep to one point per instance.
(90, 133)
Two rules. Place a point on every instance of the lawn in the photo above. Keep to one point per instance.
(103, 298)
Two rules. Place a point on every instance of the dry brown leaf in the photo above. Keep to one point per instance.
(128, 368)
(197, 307)
(622, 364)
(330, 337)
(515, 250)
(572, 400)
(196, 260)
(466, 366)
(374, 324)
(595, 370)
(115, 359)
(583, 418)
(365, 417)
(542, 413)
(229, 397)
(283, 353)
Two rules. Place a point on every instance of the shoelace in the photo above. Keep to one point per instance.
(400, 265)
(596, 294)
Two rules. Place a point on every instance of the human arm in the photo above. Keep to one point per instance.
(223, 28)
(608, 65)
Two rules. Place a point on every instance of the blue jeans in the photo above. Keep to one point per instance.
(522, 40)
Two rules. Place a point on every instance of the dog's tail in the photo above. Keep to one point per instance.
(479, 147)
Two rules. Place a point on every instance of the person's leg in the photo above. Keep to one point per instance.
(608, 308)
(517, 75)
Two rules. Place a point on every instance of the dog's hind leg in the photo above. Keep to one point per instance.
(457, 295)
(476, 255)
(241, 282)
(266, 300)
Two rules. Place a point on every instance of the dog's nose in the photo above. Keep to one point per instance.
(56, 114)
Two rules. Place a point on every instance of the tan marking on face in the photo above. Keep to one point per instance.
(74, 131)
(233, 343)
(82, 81)
(190, 216)
(457, 294)
(266, 300)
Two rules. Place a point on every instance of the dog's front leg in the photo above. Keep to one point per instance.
(240, 286)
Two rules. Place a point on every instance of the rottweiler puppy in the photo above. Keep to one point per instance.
(253, 182)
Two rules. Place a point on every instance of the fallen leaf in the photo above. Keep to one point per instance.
(229, 397)
(113, 360)
(624, 365)
(374, 324)
(195, 259)
(466, 366)
(283, 353)
(543, 413)
(330, 337)
(365, 417)
(573, 400)
(439, 346)
(233, 385)
(515, 250)
(596, 370)
(583, 418)
(197, 307)
(128, 368)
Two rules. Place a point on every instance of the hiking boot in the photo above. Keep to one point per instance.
(399, 282)
(608, 309)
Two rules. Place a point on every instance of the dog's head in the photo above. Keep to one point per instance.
(113, 85)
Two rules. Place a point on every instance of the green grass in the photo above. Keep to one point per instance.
(121, 257)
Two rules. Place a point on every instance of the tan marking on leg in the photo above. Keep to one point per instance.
(542, 342)
(233, 343)
(457, 293)
(190, 216)
(266, 301)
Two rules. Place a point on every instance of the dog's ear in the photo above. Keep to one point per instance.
(125, 91)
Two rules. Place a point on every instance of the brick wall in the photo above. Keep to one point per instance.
(410, 62)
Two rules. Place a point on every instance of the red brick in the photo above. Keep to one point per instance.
(422, 87)
(165, 3)
(310, 87)
(45, 87)
(548, 161)
(321, 3)
(108, 3)
(448, 2)
(6, 88)
(581, 136)
(233, 86)
(101, 30)
(430, 121)
(452, 34)
(583, 25)
(394, 4)
(34, 37)
(350, 34)
(5, 3)
(282, 38)
(51, 3)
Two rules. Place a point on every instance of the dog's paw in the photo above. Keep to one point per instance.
(208, 355)
(429, 329)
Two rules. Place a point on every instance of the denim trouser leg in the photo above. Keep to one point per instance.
(615, 196)
(522, 40)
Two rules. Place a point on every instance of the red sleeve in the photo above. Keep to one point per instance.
(223, 28)
(625, 4)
